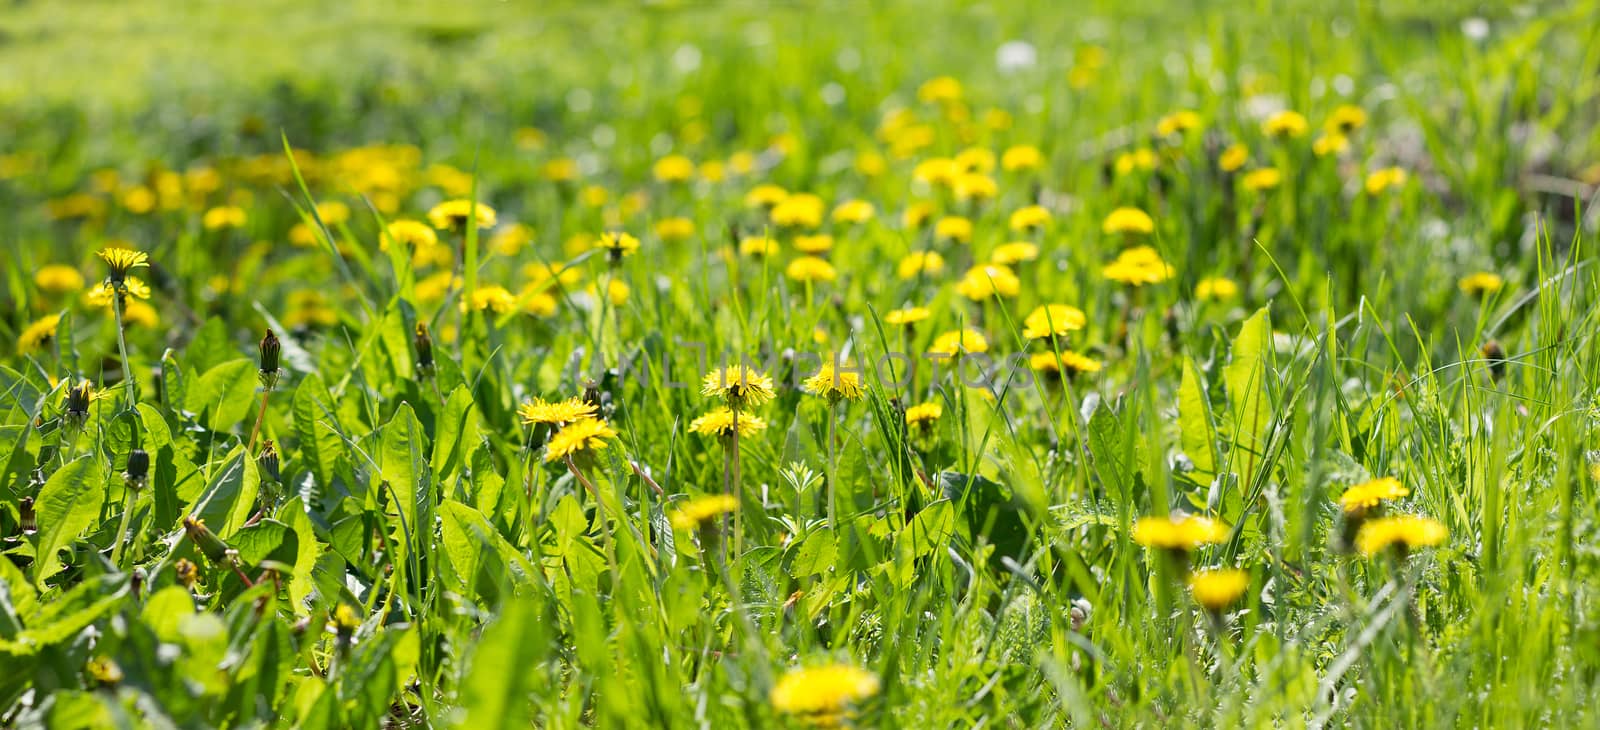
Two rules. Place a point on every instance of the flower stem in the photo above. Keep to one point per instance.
(261, 415)
(122, 349)
(833, 463)
(129, 499)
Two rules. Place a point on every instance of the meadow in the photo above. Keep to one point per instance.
(902, 364)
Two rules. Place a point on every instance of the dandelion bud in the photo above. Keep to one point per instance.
(267, 461)
(78, 399)
(424, 347)
(28, 520)
(346, 621)
(187, 572)
(138, 468)
(271, 349)
(212, 546)
(1496, 355)
(104, 671)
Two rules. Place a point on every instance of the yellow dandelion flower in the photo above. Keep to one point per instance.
(58, 279)
(434, 287)
(1182, 533)
(719, 422)
(936, 171)
(121, 260)
(1233, 158)
(1285, 124)
(1015, 252)
(924, 415)
(989, 280)
(1216, 289)
(1142, 159)
(810, 269)
(739, 385)
(493, 298)
(1178, 122)
(1330, 144)
(939, 90)
(1127, 221)
(1369, 494)
(333, 212)
(1401, 532)
(1218, 588)
(975, 186)
(800, 210)
(101, 294)
(584, 434)
(510, 240)
(1385, 178)
(1138, 266)
(617, 244)
(823, 694)
(225, 216)
(138, 200)
(870, 164)
(560, 169)
(820, 243)
(1030, 218)
(140, 314)
(1021, 157)
(853, 211)
(917, 214)
(713, 171)
(1052, 319)
(550, 275)
(702, 510)
(414, 235)
(957, 342)
(555, 412)
(452, 215)
(1261, 179)
(38, 334)
(1073, 363)
(758, 246)
(673, 169)
(975, 159)
(104, 670)
(906, 316)
(537, 302)
(765, 196)
(674, 229)
(920, 262)
(1346, 118)
(834, 384)
(953, 228)
(1481, 284)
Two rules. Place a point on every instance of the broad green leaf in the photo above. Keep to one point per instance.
(320, 444)
(930, 530)
(1247, 376)
(266, 540)
(230, 497)
(224, 395)
(506, 667)
(165, 610)
(455, 436)
(404, 466)
(67, 505)
(63, 618)
(1196, 433)
(482, 559)
(817, 555)
(293, 513)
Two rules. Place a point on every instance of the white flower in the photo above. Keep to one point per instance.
(1015, 56)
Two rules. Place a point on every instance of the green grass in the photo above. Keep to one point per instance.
(417, 559)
